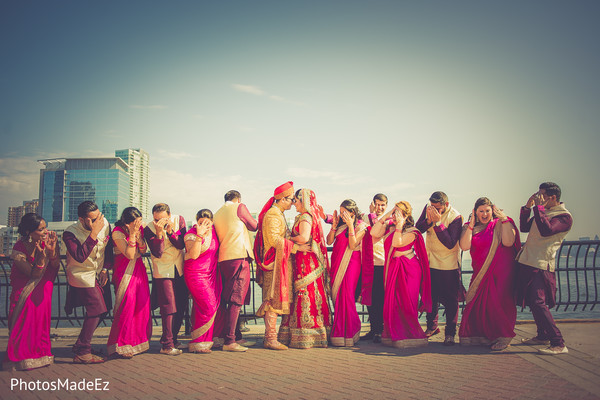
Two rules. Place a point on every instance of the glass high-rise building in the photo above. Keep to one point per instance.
(66, 182)
(139, 173)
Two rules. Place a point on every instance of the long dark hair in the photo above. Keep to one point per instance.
(128, 215)
(29, 223)
(483, 201)
(351, 206)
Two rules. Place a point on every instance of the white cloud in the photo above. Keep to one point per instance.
(248, 89)
(257, 91)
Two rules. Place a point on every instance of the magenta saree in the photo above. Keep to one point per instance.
(345, 271)
(204, 283)
(131, 328)
(29, 316)
(490, 312)
(406, 277)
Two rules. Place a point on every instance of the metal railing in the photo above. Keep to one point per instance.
(577, 276)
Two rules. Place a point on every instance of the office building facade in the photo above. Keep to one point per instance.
(66, 182)
(139, 178)
(16, 213)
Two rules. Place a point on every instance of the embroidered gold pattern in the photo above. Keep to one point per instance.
(29, 363)
(128, 349)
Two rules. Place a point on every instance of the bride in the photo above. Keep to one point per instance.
(309, 322)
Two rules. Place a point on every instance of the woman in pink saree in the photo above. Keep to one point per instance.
(490, 312)
(346, 261)
(131, 328)
(202, 279)
(35, 265)
(406, 277)
(309, 322)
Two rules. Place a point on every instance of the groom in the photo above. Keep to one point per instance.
(272, 249)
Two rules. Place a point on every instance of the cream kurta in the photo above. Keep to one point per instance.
(172, 257)
(234, 239)
(441, 257)
(539, 251)
(83, 275)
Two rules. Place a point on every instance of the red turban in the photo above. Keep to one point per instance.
(285, 190)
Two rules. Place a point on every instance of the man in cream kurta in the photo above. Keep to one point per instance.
(89, 256)
(164, 236)
(547, 229)
(443, 225)
(232, 223)
(272, 250)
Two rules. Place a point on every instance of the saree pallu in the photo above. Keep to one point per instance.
(309, 322)
(345, 271)
(490, 312)
(29, 343)
(406, 277)
(204, 283)
(132, 327)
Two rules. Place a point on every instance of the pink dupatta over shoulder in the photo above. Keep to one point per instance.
(490, 313)
(29, 317)
(345, 271)
(131, 328)
(204, 283)
(406, 278)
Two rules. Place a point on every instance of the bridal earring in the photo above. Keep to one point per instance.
(30, 239)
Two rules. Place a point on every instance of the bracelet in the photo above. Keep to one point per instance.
(39, 266)
(469, 226)
(505, 221)
(351, 234)
(131, 245)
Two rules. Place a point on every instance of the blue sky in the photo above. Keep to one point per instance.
(347, 98)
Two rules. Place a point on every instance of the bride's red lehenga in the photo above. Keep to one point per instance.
(309, 322)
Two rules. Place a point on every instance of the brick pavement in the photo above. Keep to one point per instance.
(365, 371)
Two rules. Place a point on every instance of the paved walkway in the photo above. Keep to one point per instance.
(362, 372)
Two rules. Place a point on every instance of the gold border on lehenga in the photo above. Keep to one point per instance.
(29, 363)
(341, 272)
(339, 341)
(497, 238)
(405, 343)
(128, 349)
(123, 285)
(125, 280)
(196, 333)
(474, 341)
(25, 293)
(308, 279)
